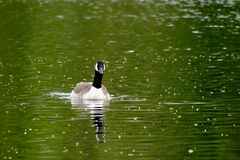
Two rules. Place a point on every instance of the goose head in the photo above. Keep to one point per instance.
(100, 66)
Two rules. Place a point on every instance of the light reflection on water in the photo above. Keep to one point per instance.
(96, 110)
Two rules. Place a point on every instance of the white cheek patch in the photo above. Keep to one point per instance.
(104, 67)
(96, 67)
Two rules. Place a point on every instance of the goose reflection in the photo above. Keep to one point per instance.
(95, 109)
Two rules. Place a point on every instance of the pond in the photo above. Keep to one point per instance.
(172, 70)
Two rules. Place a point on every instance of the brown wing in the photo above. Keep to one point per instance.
(82, 87)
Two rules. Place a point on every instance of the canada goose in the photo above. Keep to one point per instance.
(91, 90)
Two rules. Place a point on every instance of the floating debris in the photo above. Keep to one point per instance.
(190, 151)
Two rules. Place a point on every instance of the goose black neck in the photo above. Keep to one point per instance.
(97, 82)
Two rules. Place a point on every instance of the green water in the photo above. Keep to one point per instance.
(173, 72)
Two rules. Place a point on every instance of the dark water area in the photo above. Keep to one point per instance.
(172, 70)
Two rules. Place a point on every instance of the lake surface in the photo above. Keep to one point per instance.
(173, 72)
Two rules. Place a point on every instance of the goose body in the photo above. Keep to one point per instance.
(85, 90)
(91, 90)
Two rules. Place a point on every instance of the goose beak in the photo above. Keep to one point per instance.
(100, 70)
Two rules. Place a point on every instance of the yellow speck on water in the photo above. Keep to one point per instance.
(190, 151)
